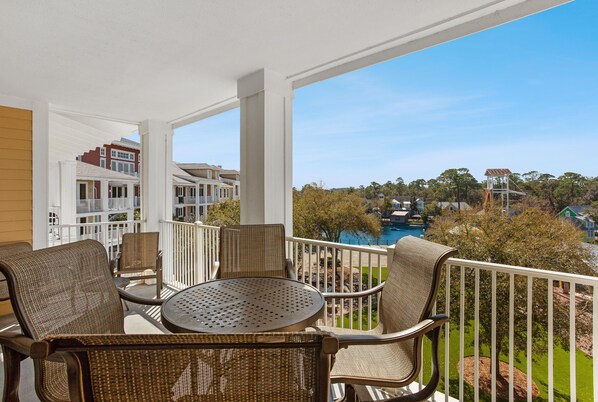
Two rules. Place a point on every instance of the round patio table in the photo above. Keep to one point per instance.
(243, 305)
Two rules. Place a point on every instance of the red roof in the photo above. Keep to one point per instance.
(497, 172)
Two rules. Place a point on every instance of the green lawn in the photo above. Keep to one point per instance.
(539, 370)
(539, 365)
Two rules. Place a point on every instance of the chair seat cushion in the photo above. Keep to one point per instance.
(383, 365)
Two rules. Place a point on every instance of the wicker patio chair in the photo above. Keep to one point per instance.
(253, 250)
(266, 367)
(390, 354)
(59, 290)
(6, 250)
(140, 252)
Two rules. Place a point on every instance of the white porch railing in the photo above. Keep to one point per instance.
(467, 288)
(89, 205)
(506, 305)
(107, 233)
(118, 203)
(189, 251)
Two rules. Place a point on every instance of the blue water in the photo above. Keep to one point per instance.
(389, 235)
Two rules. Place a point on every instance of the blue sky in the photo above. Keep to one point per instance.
(522, 96)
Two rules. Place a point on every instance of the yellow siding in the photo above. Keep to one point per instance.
(16, 194)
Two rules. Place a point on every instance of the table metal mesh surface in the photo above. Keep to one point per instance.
(243, 305)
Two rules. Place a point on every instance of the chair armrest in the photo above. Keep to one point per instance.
(138, 300)
(353, 295)
(419, 329)
(216, 270)
(159, 260)
(17, 342)
(290, 270)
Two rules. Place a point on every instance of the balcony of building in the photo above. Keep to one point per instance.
(491, 307)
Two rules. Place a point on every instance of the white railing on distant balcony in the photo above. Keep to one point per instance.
(190, 200)
(89, 205)
(118, 203)
(107, 233)
(467, 288)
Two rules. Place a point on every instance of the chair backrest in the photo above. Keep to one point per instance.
(139, 252)
(196, 367)
(411, 286)
(252, 250)
(62, 290)
(6, 250)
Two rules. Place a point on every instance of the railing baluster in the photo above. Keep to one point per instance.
(529, 334)
(476, 338)
(447, 332)
(572, 343)
(595, 339)
(493, 357)
(369, 287)
(511, 333)
(551, 341)
(461, 330)
(351, 288)
(360, 301)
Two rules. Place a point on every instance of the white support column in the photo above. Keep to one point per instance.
(266, 149)
(104, 194)
(130, 196)
(40, 126)
(68, 192)
(156, 176)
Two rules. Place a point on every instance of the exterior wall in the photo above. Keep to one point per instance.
(94, 157)
(16, 175)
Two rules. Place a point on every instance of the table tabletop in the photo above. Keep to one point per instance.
(243, 305)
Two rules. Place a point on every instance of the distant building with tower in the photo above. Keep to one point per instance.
(497, 183)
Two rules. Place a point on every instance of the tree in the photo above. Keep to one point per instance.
(457, 184)
(569, 189)
(224, 213)
(593, 211)
(531, 239)
(400, 186)
(324, 215)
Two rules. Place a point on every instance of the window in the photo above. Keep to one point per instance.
(180, 212)
(103, 151)
(179, 191)
(123, 155)
(123, 167)
(103, 163)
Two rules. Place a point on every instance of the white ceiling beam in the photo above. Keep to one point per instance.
(357, 61)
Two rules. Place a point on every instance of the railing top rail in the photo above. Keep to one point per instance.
(533, 272)
(76, 225)
(198, 223)
(362, 249)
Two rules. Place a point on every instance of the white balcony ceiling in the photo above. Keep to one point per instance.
(138, 59)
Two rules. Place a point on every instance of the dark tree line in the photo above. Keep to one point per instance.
(544, 191)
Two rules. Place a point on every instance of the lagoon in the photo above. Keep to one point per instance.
(390, 235)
